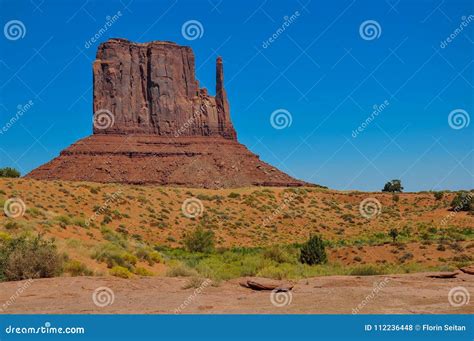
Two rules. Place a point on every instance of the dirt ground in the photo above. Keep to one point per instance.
(396, 294)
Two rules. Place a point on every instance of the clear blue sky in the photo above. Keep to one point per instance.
(319, 68)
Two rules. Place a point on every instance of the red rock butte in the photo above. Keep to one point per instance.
(152, 124)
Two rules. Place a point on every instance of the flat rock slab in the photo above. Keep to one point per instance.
(445, 275)
(468, 270)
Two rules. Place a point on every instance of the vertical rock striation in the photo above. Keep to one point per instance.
(165, 129)
(151, 89)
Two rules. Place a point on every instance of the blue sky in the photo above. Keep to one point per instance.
(320, 69)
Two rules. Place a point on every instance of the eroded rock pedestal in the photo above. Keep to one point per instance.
(154, 125)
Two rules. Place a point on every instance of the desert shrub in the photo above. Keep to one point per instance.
(233, 195)
(120, 271)
(277, 254)
(393, 186)
(463, 201)
(11, 225)
(199, 240)
(29, 257)
(313, 251)
(180, 270)
(76, 268)
(194, 282)
(393, 233)
(8, 172)
(114, 255)
(143, 272)
(366, 270)
(150, 256)
(438, 195)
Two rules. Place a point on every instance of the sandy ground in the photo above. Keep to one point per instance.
(398, 294)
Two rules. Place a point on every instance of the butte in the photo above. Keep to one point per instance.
(152, 124)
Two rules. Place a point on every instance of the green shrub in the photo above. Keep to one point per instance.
(233, 195)
(8, 172)
(463, 201)
(114, 255)
(313, 251)
(277, 254)
(438, 195)
(120, 271)
(180, 270)
(76, 268)
(199, 240)
(143, 272)
(29, 257)
(366, 270)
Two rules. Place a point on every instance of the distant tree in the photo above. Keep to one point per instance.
(394, 234)
(8, 172)
(313, 251)
(438, 195)
(463, 201)
(393, 186)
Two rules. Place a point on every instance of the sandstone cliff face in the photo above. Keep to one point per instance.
(166, 130)
(151, 89)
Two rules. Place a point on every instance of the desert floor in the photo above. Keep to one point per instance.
(400, 294)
